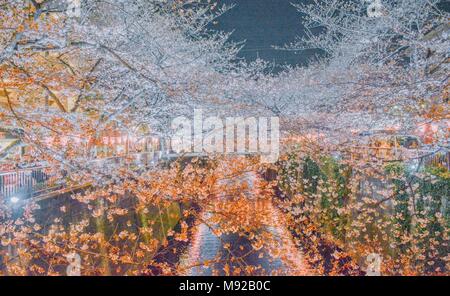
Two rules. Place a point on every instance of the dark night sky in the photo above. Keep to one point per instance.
(264, 23)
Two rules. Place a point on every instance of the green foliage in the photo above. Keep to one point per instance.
(409, 225)
(395, 168)
(439, 171)
(325, 186)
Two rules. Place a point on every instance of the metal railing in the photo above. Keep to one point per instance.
(27, 183)
(438, 159)
(23, 183)
(389, 154)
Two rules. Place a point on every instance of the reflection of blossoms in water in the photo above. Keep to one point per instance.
(74, 268)
(373, 265)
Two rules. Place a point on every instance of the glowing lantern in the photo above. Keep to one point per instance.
(427, 132)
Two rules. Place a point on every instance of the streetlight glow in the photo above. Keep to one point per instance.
(15, 200)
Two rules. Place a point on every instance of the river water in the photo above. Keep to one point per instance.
(212, 253)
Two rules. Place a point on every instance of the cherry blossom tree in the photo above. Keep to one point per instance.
(384, 70)
(378, 70)
(69, 80)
